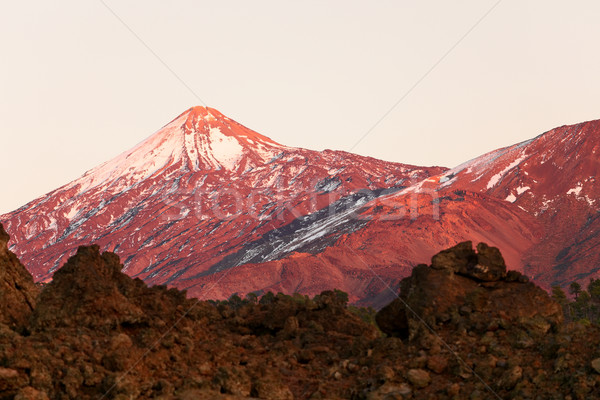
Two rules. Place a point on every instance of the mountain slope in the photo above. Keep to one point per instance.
(554, 178)
(367, 262)
(558, 164)
(195, 191)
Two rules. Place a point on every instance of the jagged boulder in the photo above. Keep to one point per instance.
(90, 291)
(470, 290)
(87, 291)
(17, 289)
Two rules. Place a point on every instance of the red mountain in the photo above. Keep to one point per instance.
(208, 205)
(195, 191)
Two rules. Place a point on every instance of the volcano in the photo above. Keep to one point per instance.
(191, 194)
(208, 205)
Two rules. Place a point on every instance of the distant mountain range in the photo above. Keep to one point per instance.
(208, 205)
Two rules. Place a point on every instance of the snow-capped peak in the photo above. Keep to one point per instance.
(199, 139)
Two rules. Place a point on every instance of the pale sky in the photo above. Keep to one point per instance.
(77, 87)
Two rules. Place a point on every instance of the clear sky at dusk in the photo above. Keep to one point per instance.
(82, 81)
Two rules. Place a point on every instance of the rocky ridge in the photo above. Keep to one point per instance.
(94, 332)
(17, 290)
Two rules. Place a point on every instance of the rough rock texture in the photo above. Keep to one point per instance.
(17, 290)
(474, 285)
(98, 334)
(93, 279)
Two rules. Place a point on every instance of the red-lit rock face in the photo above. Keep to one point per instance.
(370, 261)
(553, 178)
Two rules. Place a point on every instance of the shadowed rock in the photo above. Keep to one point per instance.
(469, 289)
(90, 290)
(93, 279)
(17, 290)
(97, 333)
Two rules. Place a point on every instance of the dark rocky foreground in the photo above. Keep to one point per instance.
(463, 329)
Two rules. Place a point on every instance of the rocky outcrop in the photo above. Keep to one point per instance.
(468, 288)
(100, 288)
(96, 333)
(17, 290)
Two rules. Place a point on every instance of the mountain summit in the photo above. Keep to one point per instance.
(200, 139)
(211, 140)
(192, 193)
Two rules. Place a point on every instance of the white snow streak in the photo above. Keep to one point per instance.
(225, 149)
(496, 178)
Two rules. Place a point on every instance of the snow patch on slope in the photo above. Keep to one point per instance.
(576, 190)
(520, 190)
(497, 177)
(225, 149)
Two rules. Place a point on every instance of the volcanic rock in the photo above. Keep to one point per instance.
(466, 288)
(437, 363)
(17, 290)
(511, 377)
(596, 365)
(418, 377)
(96, 333)
(29, 393)
(97, 282)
